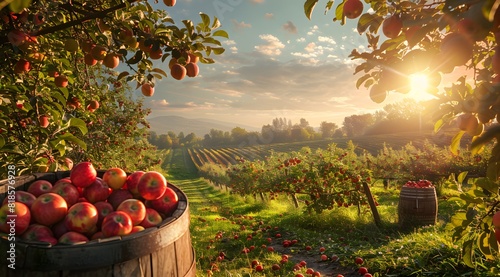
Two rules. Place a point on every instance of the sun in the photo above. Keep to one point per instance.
(419, 84)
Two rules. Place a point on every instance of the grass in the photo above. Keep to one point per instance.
(223, 225)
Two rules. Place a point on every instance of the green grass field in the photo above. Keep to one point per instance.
(231, 234)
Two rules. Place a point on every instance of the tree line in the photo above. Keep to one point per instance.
(405, 116)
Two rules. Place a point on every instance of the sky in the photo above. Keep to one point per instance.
(277, 64)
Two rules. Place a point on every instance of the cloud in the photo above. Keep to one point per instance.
(240, 25)
(158, 104)
(290, 27)
(326, 39)
(269, 15)
(314, 29)
(229, 42)
(311, 47)
(272, 47)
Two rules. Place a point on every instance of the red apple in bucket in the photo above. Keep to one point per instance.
(152, 218)
(135, 209)
(39, 187)
(152, 185)
(97, 191)
(68, 191)
(23, 197)
(133, 181)
(115, 178)
(49, 208)
(117, 223)
(72, 237)
(83, 174)
(14, 216)
(59, 229)
(118, 196)
(38, 232)
(137, 228)
(103, 209)
(166, 204)
(82, 217)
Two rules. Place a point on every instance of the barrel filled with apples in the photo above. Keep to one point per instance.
(418, 205)
(88, 222)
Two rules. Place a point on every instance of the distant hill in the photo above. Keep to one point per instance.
(200, 127)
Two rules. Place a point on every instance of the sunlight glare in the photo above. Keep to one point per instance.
(419, 83)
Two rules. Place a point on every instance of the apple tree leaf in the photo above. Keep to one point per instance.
(309, 7)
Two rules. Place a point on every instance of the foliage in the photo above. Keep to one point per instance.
(436, 39)
(59, 57)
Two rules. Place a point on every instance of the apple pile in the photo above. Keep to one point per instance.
(84, 207)
(419, 184)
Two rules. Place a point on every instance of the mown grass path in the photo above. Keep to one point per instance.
(224, 224)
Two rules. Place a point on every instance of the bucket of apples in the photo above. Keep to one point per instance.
(90, 219)
(418, 205)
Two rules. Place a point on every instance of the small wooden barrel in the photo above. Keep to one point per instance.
(417, 207)
(160, 251)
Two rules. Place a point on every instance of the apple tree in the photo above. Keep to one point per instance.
(68, 68)
(436, 39)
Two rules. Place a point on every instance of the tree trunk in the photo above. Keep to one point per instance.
(295, 200)
(373, 207)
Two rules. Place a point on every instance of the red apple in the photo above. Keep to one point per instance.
(43, 120)
(152, 218)
(49, 208)
(115, 177)
(166, 204)
(40, 187)
(63, 180)
(352, 8)
(392, 26)
(103, 209)
(82, 217)
(97, 235)
(97, 191)
(192, 69)
(23, 197)
(61, 81)
(117, 223)
(22, 66)
(92, 231)
(59, 229)
(16, 37)
(38, 232)
(67, 191)
(169, 3)
(72, 237)
(135, 209)
(496, 219)
(133, 181)
(147, 89)
(118, 196)
(137, 228)
(152, 185)
(83, 174)
(14, 216)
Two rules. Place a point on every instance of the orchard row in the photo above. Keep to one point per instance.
(331, 177)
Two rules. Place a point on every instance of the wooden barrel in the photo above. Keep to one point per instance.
(417, 207)
(160, 251)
